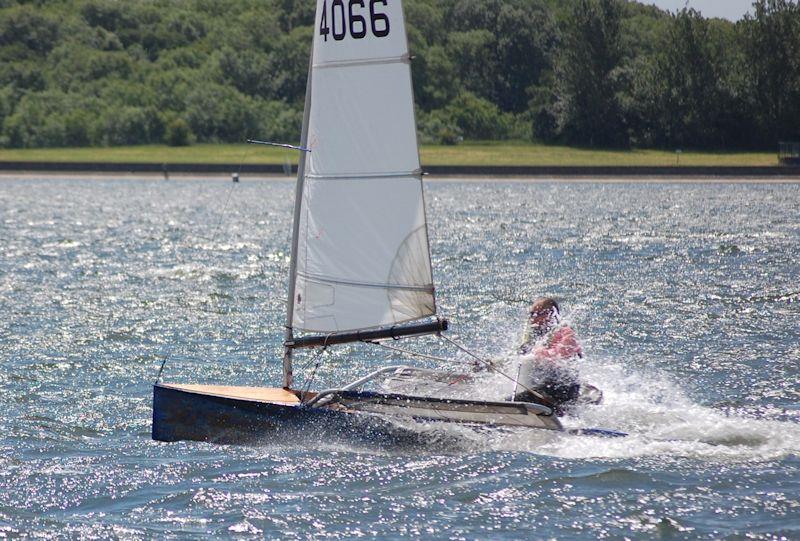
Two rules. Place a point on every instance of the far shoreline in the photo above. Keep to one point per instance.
(562, 172)
(428, 178)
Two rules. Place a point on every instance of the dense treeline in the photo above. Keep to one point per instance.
(609, 73)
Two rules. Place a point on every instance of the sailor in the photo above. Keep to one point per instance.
(549, 350)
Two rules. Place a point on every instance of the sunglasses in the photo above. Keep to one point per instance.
(544, 316)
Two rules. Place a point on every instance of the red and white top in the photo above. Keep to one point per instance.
(562, 345)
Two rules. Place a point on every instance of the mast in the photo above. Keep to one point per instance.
(298, 200)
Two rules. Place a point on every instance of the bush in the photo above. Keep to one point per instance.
(26, 25)
(25, 75)
(178, 133)
(7, 99)
(544, 126)
(72, 67)
(478, 118)
(106, 14)
(30, 128)
(171, 87)
(77, 127)
(128, 126)
(438, 127)
(49, 119)
(221, 114)
(279, 121)
(121, 93)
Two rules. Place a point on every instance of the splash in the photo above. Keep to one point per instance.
(658, 416)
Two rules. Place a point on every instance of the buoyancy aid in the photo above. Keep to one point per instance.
(547, 370)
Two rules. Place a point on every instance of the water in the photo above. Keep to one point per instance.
(686, 298)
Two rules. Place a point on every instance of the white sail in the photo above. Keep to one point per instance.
(362, 258)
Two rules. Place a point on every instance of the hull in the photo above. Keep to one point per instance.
(251, 416)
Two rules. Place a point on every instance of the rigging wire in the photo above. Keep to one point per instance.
(417, 354)
(314, 357)
(224, 210)
(487, 362)
(318, 359)
(491, 365)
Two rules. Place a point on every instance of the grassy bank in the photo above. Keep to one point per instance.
(472, 153)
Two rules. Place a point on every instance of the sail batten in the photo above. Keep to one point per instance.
(405, 59)
(363, 257)
(328, 280)
(411, 176)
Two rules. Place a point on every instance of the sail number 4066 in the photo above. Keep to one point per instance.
(353, 18)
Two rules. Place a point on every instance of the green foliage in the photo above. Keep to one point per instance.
(7, 100)
(47, 119)
(77, 128)
(771, 43)
(221, 113)
(437, 127)
(295, 13)
(479, 118)
(687, 77)
(589, 111)
(287, 72)
(24, 75)
(277, 122)
(178, 133)
(501, 47)
(27, 26)
(107, 14)
(435, 80)
(128, 125)
(470, 117)
(72, 68)
(603, 73)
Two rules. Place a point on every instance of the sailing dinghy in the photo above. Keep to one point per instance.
(360, 258)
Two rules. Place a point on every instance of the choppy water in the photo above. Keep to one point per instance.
(686, 297)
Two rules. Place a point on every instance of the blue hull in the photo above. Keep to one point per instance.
(180, 415)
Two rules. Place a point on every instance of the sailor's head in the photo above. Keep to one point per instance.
(544, 315)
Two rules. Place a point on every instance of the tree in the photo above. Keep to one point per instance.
(288, 66)
(502, 48)
(587, 72)
(295, 13)
(435, 79)
(526, 40)
(687, 85)
(472, 53)
(771, 43)
(588, 107)
(245, 70)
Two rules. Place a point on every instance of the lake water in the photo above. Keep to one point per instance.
(686, 298)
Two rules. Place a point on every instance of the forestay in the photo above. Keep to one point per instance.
(362, 258)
